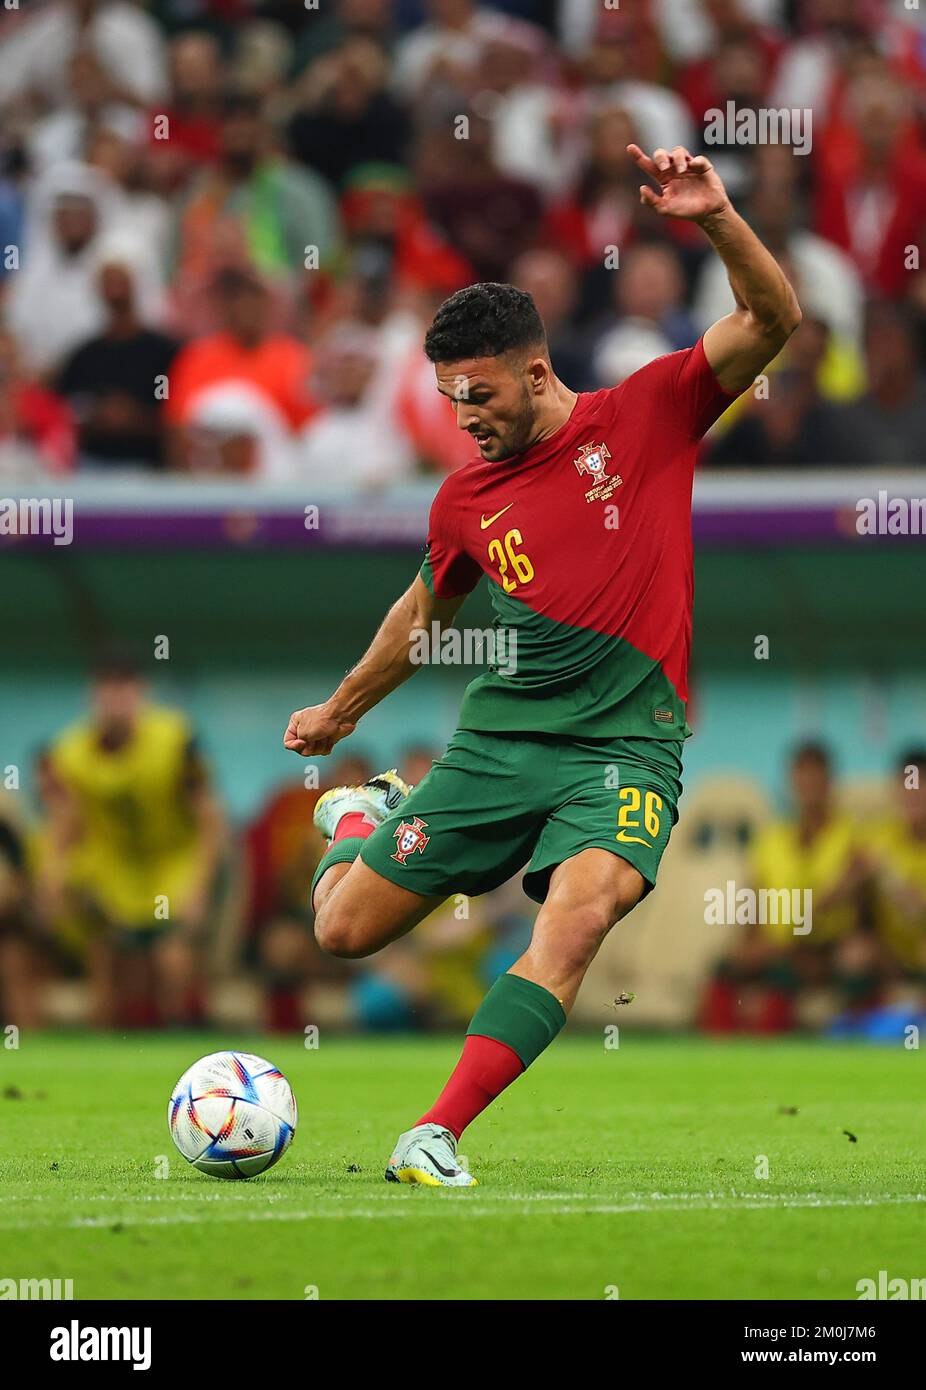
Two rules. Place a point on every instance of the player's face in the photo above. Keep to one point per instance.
(495, 400)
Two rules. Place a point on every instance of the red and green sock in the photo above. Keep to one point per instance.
(515, 1022)
(349, 834)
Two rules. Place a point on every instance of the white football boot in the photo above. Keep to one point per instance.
(427, 1155)
(375, 799)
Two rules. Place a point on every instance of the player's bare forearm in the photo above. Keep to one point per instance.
(385, 665)
(767, 312)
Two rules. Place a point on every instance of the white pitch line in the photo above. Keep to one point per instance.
(472, 1206)
(248, 1193)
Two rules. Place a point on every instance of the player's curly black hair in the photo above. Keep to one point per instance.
(484, 321)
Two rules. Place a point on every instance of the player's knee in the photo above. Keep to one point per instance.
(582, 932)
(340, 933)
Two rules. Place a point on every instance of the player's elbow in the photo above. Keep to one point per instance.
(788, 315)
(775, 326)
(792, 316)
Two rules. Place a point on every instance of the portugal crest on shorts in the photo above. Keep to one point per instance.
(593, 459)
(409, 837)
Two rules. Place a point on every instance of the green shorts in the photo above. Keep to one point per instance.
(495, 802)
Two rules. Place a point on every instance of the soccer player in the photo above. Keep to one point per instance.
(568, 759)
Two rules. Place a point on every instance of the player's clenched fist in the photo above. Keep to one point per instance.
(315, 731)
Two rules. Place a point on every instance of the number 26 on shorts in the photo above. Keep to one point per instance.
(628, 817)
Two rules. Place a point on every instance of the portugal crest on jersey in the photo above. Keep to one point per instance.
(593, 459)
(409, 837)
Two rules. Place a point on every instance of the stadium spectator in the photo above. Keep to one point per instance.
(347, 117)
(66, 131)
(272, 211)
(740, 72)
(648, 294)
(115, 383)
(554, 284)
(239, 398)
(12, 203)
(53, 303)
(140, 214)
(887, 426)
(489, 217)
(354, 440)
(619, 65)
(516, 82)
(703, 82)
(368, 19)
(38, 52)
(379, 205)
(599, 219)
(438, 62)
(793, 426)
(871, 190)
(193, 109)
(36, 428)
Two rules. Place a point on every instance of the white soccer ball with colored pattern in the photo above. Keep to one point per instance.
(232, 1115)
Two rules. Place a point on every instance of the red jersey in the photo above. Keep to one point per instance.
(585, 539)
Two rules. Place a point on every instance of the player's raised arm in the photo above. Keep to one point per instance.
(767, 312)
(384, 666)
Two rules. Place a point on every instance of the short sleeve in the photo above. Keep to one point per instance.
(686, 389)
(448, 570)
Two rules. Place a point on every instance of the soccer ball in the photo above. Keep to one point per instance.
(232, 1115)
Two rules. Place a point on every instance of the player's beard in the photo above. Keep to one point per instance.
(520, 434)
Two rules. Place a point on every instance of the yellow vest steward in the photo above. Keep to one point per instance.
(139, 840)
(900, 861)
(779, 860)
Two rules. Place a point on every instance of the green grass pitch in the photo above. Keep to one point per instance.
(629, 1173)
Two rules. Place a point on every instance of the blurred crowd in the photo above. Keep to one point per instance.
(128, 898)
(224, 224)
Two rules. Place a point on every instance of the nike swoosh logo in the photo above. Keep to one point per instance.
(483, 523)
(447, 1172)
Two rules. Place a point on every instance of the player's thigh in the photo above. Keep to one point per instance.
(469, 825)
(619, 797)
(365, 911)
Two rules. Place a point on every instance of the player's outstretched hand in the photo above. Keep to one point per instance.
(689, 186)
(314, 731)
